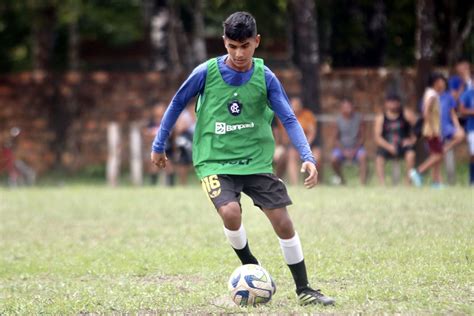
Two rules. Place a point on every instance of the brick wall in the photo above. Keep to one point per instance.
(64, 117)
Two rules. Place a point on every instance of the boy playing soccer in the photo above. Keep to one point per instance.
(233, 144)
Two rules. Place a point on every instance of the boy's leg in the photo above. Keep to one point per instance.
(361, 157)
(470, 139)
(235, 232)
(437, 173)
(429, 162)
(471, 170)
(409, 164)
(336, 161)
(457, 139)
(224, 192)
(436, 154)
(380, 168)
(293, 254)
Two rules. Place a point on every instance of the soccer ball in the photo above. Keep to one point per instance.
(251, 284)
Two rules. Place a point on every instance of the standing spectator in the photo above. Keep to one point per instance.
(394, 136)
(467, 109)
(153, 126)
(451, 130)
(185, 126)
(349, 141)
(290, 159)
(463, 70)
(431, 131)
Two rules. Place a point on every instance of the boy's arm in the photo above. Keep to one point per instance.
(189, 89)
(281, 106)
(361, 132)
(464, 107)
(426, 111)
(379, 140)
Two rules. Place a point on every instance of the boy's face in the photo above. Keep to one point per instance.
(241, 53)
(439, 85)
(463, 69)
(346, 108)
(392, 105)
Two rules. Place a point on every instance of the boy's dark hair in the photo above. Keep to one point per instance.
(346, 99)
(393, 97)
(435, 76)
(240, 26)
(462, 59)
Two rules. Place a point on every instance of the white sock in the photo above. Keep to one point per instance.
(291, 249)
(236, 238)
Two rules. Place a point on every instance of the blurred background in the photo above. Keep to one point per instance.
(83, 83)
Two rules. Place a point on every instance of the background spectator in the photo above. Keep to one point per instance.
(431, 131)
(467, 109)
(349, 141)
(157, 113)
(451, 130)
(463, 70)
(394, 136)
(184, 130)
(288, 158)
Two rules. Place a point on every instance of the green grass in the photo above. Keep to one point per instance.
(100, 250)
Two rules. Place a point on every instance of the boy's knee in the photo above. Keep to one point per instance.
(231, 215)
(284, 227)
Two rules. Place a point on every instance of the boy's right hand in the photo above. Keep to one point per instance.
(159, 159)
(392, 149)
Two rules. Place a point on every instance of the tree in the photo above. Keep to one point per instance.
(44, 23)
(199, 35)
(424, 52)
(306, 50)
(458, 32)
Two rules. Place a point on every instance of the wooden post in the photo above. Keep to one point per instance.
(113, 160)
(396, 171)
(450, 163)
(136, 161)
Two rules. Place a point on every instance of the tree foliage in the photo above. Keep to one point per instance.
(368, 33)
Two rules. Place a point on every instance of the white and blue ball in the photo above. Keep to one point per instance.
(251, 284)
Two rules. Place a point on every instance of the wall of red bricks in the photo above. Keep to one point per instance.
(64, 117)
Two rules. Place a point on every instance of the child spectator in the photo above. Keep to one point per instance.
(289, 159)
(152, 128)
(467, 110)
(349, 141)
(451, 130)
(394, 136)
(431, 131)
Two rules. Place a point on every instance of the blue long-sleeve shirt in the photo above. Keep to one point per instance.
(277, 98)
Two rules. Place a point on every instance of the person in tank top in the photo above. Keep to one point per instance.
(394, 136)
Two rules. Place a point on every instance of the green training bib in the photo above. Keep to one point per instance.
(233, 129)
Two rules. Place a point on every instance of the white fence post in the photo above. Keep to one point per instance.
(113, 160)
(450, 163)
(136, 162)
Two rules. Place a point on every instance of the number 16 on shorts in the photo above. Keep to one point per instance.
(211, 186)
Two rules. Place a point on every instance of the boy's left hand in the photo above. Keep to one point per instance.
(312, 179)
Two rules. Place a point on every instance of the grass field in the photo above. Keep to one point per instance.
(93, 249)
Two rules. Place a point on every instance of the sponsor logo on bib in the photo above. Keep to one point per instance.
(224, 128)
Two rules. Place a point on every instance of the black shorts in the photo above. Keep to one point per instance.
(266, 190)
(400, 152)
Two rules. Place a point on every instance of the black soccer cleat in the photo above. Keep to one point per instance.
(309, 296)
